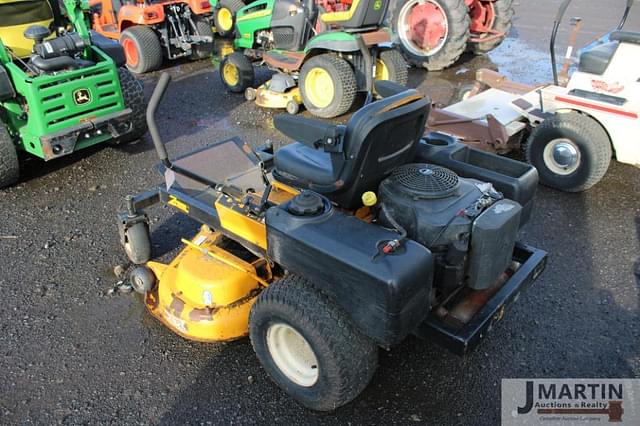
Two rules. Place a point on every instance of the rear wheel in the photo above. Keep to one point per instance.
(236, 72)
(224, 17)
(204, 49)
(495, 16)
(327, 85)
(9, 166)
(571, 151)
(433, 33)
(309, 346)
(133, 94)
(391, 66)
(142, 49)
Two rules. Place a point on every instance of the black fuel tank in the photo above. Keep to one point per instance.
(386, 296)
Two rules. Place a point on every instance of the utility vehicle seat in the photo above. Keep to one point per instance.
(343, 162)
(361, 14)
(596, 60)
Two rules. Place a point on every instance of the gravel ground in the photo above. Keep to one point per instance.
(71, 352)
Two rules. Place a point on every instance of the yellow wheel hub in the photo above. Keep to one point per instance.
(225, 19)
(319, 87)
(382, 72)
(230, 74)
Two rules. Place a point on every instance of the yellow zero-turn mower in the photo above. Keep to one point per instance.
(345, 241)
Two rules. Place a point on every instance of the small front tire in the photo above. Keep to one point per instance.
(236, 72)
(292, 107)
(309, 346)
(570, 150)
(391, 66)
(202, 50)
(137, 243)
(327, 85)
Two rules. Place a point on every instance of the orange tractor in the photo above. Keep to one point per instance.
(152, 30)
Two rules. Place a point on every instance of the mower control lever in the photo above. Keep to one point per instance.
(155, 100)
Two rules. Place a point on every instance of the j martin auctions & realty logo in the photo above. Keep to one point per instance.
(570, 401)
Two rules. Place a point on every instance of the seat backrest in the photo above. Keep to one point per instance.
(361, 14)
(378, 138)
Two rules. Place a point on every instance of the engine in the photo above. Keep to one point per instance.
(468, 225)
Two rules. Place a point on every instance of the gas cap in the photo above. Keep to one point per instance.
(306, 204)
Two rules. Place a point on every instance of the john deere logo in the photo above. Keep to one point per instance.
(81, 96)
(377, 4)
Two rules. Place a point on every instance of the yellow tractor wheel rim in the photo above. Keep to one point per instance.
(382, 72)
(319, 87)
(225, 19)
(230, 74)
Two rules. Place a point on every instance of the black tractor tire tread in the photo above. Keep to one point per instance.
(397, 66)
(245, 69)
(592, 136)
(9, 165)
(204, 50)
(133, 94)
(355, 355)
(233, 6)
(149, 48)
(455, 46)
(504, 12)
(347, 84)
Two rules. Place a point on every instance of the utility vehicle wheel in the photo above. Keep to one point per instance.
(327, 85)
(433, 33)
(496, 15)
(133, 94)
(571, 151)
(391, 66)
(236, 72)
(309, 346)
(202, 50)
(141, 48)
(9, 166)
(137, 243)
(224, 17)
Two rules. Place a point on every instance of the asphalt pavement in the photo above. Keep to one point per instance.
(74, 352)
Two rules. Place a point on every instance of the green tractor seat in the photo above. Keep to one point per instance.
(361, 14)
(343, 162)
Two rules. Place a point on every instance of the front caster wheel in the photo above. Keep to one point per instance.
(309, 346)
(292, 107)
(137, 243)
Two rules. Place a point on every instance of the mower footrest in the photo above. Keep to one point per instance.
(462, 340)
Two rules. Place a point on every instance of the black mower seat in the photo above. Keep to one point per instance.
(597, 59)
(343, 162)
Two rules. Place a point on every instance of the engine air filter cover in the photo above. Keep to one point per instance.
(425, 180)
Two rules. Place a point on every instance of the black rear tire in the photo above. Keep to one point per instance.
(395, 65)
(202, 50)
(343, 81)
(504, 11)
(578, 133)
(455, 43)
(9, 166)
(245, 73)
(133, 94)
(148, 48)
(346, 359)
(231, 6)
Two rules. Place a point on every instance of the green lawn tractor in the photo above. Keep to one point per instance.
(60, 91)
(324, 71)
